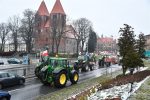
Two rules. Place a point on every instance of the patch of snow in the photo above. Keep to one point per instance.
(123, 91)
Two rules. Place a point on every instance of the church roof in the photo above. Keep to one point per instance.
(43, 9)
(57, 8)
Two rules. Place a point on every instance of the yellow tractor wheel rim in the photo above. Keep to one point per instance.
(62, 79)
(75, 77)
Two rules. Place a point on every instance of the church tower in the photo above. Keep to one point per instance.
(58, 23)
(42, 26)
(57, 15)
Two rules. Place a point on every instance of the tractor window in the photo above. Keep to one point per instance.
(61, 63)
(54, 63)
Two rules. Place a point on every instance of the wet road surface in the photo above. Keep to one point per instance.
(35, 88)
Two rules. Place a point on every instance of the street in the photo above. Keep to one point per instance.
(34, 87)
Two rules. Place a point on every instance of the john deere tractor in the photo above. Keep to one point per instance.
(56, 71)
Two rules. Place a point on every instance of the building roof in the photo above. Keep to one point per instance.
(105, 40)
(43, 9)
(57, 8)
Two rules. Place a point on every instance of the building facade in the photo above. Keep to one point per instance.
(107, 44)
(44, 29)
(147, 44)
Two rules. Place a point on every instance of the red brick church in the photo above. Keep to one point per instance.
(43, 29)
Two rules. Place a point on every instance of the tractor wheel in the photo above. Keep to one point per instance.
(37, 69)
(76, 67)
(42, 77)
(85, 68)
(60, 79)
(91, 67)
(74, 77)
(44, 82)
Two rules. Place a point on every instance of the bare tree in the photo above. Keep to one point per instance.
(27, 26)
(14, 25)
(82, 27)
(58, 24)
(4, 30)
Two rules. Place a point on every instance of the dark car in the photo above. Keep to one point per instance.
(4, 95)
(9, 79)
(14, 61)
(1, 62)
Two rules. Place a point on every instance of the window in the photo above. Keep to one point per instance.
(11, 75)
(3, 75)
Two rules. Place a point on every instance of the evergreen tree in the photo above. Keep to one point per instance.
(92, 41)
(141, 45)
(127, 49)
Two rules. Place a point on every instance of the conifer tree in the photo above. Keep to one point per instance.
(92, 41)
(141, 45)
(127, 49)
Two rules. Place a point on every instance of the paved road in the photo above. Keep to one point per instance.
(34, 87)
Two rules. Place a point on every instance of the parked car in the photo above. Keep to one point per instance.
(9, 79)
(1, 62)
(14, 61)
(4, 95)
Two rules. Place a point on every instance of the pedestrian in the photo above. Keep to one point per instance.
(103, 61)
(28, 61)
(131, 71)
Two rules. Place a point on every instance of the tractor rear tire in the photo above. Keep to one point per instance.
(76, 67)
(60, 79)
(85, 68)
(42, 77)
(74, 77)
(37, 69)
(91, 67)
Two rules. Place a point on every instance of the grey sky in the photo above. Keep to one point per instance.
(107, 15)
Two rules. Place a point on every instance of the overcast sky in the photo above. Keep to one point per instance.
(107, 16)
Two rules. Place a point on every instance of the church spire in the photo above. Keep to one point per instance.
(43, 9)
(57, 8)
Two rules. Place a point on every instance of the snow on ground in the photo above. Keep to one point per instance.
(123, 91)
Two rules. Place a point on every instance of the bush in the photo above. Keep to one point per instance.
(11, 53)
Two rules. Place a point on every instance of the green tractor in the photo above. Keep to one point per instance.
(84, 63)
(56, 71)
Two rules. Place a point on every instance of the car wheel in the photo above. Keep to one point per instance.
(4, 98)
(1, 86)
(21, 82)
